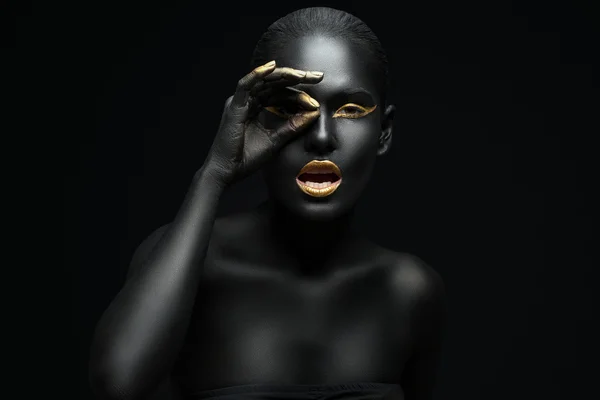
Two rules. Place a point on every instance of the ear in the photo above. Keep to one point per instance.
(387, 124)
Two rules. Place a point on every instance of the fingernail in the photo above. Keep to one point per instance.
(310, 100)
(318, 74)
(269, 64)
(313, 114)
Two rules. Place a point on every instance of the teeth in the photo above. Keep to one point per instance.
(317, 185)
(318, 189)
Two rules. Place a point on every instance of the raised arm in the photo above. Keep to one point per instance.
(138, 338)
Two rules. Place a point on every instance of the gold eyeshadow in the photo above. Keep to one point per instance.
(360, 111)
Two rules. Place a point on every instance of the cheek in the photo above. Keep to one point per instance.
(358, 139)
(282, 168)
(358, 142)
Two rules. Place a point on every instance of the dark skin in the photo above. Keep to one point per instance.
(288, 293)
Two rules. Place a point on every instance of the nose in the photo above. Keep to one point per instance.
(320, 138)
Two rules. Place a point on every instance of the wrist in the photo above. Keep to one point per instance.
(209, 177)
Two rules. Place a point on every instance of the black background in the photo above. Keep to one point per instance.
(489, 179)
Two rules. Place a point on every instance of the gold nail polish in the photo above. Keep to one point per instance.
(307, 99)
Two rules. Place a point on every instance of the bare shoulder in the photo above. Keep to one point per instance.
(412, 279)
(411, 270)
(418, 291)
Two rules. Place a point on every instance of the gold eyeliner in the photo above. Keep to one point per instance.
(306, 102)
(274, 110)
(364, 111)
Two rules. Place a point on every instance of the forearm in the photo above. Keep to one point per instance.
(139, 336)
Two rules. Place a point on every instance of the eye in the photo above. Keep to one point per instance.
(283, 111)
(352, 110)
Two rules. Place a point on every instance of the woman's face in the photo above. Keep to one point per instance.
(348, 133)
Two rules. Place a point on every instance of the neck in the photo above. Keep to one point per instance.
(311, 242)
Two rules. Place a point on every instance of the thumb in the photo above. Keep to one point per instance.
(235, 114)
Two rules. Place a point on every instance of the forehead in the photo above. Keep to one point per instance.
(345, 65)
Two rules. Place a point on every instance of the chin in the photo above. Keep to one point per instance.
(320, 210)
(290, 197)
(314, 209)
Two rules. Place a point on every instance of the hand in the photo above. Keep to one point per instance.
(242, 144)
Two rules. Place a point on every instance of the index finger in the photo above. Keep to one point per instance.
(285, 77)
(242, 91)
(292, 74)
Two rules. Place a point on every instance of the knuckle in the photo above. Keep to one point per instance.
(243, 82)
(294, 124)
(258, 86)
(236, 117)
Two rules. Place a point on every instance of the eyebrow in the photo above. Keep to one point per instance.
(350, 91)
(362, 93)
(357, 90)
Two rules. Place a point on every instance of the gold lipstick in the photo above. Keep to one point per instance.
(319, 178)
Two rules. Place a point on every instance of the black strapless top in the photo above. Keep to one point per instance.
(350, 391)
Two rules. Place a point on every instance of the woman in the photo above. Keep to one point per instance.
(286, 300)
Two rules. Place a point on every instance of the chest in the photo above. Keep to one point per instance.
(250, 327)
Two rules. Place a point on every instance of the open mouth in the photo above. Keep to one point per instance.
(319, 178)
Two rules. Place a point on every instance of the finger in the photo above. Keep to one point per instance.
(271, 97)
(282, 77)
(242, 91)
(286, 96)
(285, 72)
(293, 126)
(224, 114)
(294, 74)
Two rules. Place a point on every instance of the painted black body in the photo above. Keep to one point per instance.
(288, 293)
